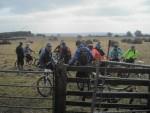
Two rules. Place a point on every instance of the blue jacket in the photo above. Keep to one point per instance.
(45, 57)
(115, 53)
(76, 56)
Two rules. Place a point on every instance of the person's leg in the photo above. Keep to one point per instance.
(22, 63)
(18, 62)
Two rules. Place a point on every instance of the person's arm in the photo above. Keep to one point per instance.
(74, 58)
(57, 48)
(120, 53)
(41, 59)
(32, 50)
(110, 54)
(136, 54)
(125, 54)
(91, 57)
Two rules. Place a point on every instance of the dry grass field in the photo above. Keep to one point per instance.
(8, 57)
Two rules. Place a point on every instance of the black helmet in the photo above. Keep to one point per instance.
(78, 42)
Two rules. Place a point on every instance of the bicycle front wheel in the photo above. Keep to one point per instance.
(44, 86)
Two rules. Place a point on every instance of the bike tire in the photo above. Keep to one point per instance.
(47, 82)
(80, 85)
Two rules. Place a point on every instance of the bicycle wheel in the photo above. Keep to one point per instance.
(44, 86)
(80, 84)
(123, 75)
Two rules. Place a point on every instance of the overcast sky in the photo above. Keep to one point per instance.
(48, 16)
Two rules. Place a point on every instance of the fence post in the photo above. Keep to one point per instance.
(60, 89)
(148, 100)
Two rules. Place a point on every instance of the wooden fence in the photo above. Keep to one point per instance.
(62, 94)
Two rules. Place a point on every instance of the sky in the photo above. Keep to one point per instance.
(75, 16)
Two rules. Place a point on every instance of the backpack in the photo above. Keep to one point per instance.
(66, 52)
(83, 57)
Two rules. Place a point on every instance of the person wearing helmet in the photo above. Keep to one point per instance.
(27, 53)
(65, 53)
(100, 49)
(131, 55)
(95, 53)
(57, 49)
(115, 53)
(46, 56)
(82, 56)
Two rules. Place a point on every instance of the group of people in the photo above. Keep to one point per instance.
(85, 54)
(23, 53)
(96, 53)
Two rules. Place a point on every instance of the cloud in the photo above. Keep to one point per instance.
(74, 15)
(29, 6)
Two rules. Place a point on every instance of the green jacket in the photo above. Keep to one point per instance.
(130, 54)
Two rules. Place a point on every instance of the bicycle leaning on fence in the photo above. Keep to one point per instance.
(45, 83)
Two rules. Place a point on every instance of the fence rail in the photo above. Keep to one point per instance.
(113, 81)
(26, 107)
(131, 111)
(26, 98)
(109, 69)
(110, 94)
(125, 64)
(18, 71)
(104, 105)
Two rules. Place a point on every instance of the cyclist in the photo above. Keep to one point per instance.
(27, 53)
(65, 53)
(100, 49)
(130, 55)
(57, 49)
(115, 53)
(82, 57)
(82, 51)
(46, 57)
(95, 53)
(20, 56)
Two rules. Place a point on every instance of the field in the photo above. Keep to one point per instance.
(8, 58)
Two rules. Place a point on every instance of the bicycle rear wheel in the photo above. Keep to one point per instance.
(44, 86)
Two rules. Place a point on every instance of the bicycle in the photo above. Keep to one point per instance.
(45, 83)
(34, 62)
(81, 84)
(128, 88)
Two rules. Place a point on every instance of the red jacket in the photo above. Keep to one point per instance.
(96, 55)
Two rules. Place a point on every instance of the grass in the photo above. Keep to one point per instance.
(8, 57)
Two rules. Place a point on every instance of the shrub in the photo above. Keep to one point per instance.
(3, 42)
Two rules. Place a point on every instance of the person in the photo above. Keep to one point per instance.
(100, 49)
(20, 56)
(27, 53)
(82, 51)
(82, 57)
(46, 57)
(65, 53)
(95, 53)
(115, 53)
(130, 55)
(57, 49)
